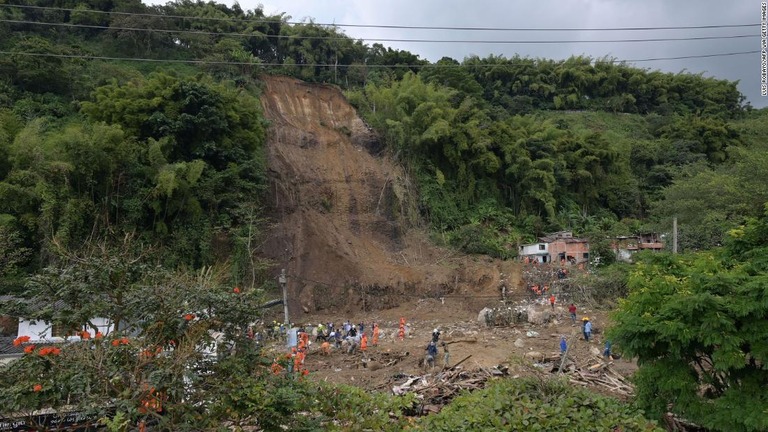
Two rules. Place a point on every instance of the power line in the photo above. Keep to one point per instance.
(390, 26)
(467, 41)
(233, 63)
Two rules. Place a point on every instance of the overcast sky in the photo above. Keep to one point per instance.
(556, 14)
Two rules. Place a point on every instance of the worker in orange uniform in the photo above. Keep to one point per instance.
(552, 301)
(301, 344)
(298, 361)
(325, 348)
(276, 368)
(401, 331)
(375, 334)
(364, 342)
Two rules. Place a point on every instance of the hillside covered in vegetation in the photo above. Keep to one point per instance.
(502, 149)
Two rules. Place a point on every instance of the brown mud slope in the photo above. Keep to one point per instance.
(340, 211)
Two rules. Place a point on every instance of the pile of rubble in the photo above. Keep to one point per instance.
(598, 373)
(595, 372)
(435, 391)
(532, 312)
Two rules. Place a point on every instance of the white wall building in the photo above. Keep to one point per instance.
(39, 331)
(535, 251)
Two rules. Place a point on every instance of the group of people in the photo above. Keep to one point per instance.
(430, 359)
(350, 335)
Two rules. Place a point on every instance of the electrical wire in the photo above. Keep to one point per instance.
(347, 38)
(372, 66)
(387, 26)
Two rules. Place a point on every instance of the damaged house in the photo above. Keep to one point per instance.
(559, 247)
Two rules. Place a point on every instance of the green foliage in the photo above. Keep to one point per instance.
(710, 201)
(535, 405)
(154, 351)
(696, 325)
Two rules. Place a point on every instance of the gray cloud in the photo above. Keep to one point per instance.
(557, 14)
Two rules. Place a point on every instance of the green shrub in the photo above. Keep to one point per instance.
(536, 405)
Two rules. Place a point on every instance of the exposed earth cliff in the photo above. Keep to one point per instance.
(344, 216)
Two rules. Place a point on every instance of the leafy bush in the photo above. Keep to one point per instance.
(536, 405)
(696, 324)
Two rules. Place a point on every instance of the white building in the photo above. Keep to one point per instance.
(39, 331)
(538, 252)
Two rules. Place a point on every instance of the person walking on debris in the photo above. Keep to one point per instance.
(364, 342)
(552, 301)
(587, 328)
(375, 334)
(431, 354)
(572, 311)
(607, 350)
(435, 335)
(446, 354)
(563, 345)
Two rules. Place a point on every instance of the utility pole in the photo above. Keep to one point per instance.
(674, 235)
(283, 283)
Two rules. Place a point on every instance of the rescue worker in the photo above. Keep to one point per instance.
(587, 328)
(364, 342)
(607, 350)
(431, 354)
(552, 301)
(446, 355)
(375, 334)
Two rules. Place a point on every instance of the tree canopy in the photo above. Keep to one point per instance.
(696, 324)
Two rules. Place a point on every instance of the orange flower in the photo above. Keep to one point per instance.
(85, 335)
(146, 354)
(305, 372)
(115, 342)
(236, 290)
(20, 340)
(124, 341)
(29, 349)
(45, 351)
(55, 351)
(99, 335)
(37, 388)
(189, 317)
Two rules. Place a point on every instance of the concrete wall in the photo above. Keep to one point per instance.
(533, 249)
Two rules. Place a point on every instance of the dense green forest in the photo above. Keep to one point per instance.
(107, 161)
